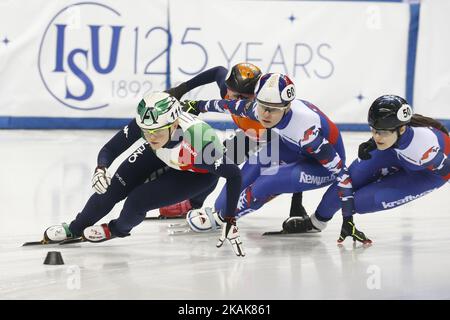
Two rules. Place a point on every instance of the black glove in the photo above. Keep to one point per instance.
(191, 107)
(365, 148)
(178, 91)
(349, 230)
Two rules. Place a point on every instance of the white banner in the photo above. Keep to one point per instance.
(432, 84)
(96, 59)
(341, 56)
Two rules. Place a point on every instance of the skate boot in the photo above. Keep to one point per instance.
(297, 209)
(303, 224)
(98, 233)
(298, 225)
(57, 233)
(349, 230)
(204, 220)
(177, 210)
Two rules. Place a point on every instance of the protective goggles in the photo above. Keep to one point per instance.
(237, 96)
(382, 133)
(154, 132)
(271, 108)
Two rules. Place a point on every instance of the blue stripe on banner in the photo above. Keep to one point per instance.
(61, 123)
(111, 123)
(397, 1)
(414, 13)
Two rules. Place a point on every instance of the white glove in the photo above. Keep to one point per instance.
(101, 180)
(230, 231)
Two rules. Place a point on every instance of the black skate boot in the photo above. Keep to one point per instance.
(299, 225)
(349, 230)
(297, 209)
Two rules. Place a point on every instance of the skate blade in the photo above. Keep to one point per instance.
(364, 244)
(178, 232)
(69, 241)
(37, 243)
(164, 218)
(274, 233)
(177, 225)
(285, 233)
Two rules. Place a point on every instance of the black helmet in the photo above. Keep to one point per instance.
(243, 78)
(389, 112)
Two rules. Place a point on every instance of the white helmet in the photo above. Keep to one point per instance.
(275, 89)
(156, 110)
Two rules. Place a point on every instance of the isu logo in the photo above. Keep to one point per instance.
(93, 55)
(78, 48)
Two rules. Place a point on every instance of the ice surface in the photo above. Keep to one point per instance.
(45, 179)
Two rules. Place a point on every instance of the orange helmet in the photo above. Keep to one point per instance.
(243, 78)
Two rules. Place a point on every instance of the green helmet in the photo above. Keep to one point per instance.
(156, 110)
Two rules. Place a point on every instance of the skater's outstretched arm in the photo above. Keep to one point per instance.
(120, 142)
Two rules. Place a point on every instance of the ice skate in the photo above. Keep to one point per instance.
(97, 233)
